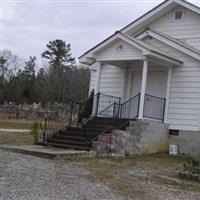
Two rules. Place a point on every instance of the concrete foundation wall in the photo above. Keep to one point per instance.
(141, 137)
(188, 142)
(146, 137)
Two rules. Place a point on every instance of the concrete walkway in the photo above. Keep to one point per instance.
(46, 152)
(9, 130)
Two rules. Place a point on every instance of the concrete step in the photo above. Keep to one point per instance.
(68, 146)
(68, 142)
(75, 137)
(98, 126)
(69, 137)
(85, 133)
(45, 151)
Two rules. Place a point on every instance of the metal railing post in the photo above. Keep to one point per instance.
(44, 131)
(78, 115)
(113, 117)
(71, 112)
(114, 109)
(97, 103)
(138, 108)
(163, 118)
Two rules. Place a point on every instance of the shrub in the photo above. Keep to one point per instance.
(34, 132)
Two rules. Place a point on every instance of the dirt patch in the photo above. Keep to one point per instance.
(143, 177)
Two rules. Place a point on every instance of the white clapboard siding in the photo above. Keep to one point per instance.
(195, 42)
(110, 84)
(183, 106)
(186, 79)
(184, 95)
(119, 50)
(184, 117)
(185, 122)
(188, 73)
(185, 90)
(111, 80)
(185, 127)
(187, 30)
(188, 69)
(184, 98)
(183, 84)
(183, 111)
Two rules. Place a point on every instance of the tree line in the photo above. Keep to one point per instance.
(60, 80)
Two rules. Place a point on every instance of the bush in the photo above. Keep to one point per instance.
(193, 166)
(34, 131)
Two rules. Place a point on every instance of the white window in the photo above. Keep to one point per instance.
(178, 14)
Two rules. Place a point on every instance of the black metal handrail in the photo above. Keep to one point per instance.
(59, 119)
(106, 106)
(107, 112)
(127, 110)
(154, 107)
(54, 121)
(130, 108)
(105, 100)
(118, 111)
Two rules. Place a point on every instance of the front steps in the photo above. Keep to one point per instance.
(81, 138)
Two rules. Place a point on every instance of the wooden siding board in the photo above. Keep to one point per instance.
(184, 102)
(111, 80)
(186, 30)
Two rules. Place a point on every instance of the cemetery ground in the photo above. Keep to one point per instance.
(15, 123)
(10, 133)
(137, 177)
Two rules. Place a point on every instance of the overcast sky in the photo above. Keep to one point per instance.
(27, 26)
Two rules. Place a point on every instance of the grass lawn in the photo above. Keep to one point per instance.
(15, 124)
(25, 124)
(142, 177)
(13, 138)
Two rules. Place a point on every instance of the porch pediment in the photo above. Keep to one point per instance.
(119, 50)
(125, 48)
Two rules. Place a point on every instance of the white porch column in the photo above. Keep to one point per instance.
(129, 83)
(124, 84)
(143, 88)
(97, 87)
(169, 74)
(98, 76)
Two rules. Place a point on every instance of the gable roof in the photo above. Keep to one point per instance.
(156, 12)
(175, 43)
(148, 17)
(146, 49)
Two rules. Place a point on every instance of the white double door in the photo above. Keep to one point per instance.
(156, 83)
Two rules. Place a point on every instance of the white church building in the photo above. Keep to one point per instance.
(150, 69)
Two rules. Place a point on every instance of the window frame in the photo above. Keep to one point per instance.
(174, 15)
